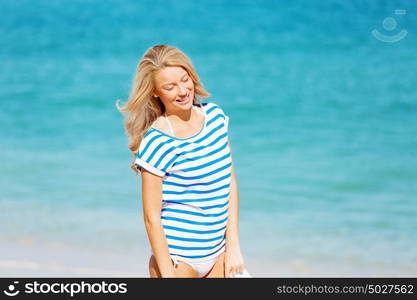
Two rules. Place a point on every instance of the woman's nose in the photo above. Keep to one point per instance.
(182, 90)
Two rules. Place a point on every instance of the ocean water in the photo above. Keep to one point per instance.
(322, 125)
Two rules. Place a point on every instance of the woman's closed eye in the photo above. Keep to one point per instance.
(169, 88)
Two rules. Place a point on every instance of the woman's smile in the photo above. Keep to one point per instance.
(183, 101)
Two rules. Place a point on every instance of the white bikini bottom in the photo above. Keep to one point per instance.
(203, 267)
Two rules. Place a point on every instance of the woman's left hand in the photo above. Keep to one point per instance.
(233, 262)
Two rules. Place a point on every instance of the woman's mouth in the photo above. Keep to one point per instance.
(183, 101)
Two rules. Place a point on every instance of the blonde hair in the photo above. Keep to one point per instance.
(142, 109)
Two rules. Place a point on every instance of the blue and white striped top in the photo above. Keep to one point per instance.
(196, 175)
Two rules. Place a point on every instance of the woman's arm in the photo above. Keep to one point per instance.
(152, 202)
(233, 259)
(232, 232)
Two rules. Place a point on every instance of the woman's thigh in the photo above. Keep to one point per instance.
(218, 270)
(182, 269)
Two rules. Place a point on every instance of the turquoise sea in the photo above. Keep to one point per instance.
(322, 125)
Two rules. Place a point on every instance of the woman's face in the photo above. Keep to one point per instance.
(175, 88)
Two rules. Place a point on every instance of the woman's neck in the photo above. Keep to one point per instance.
(182, 116)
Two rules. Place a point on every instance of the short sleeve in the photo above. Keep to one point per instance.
(156, 154)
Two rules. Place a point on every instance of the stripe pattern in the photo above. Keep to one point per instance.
(196, 176)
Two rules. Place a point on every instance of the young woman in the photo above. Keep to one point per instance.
(189, 189)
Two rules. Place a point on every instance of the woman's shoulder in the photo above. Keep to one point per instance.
(154, 140)
(213, 106)
(160, 124)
